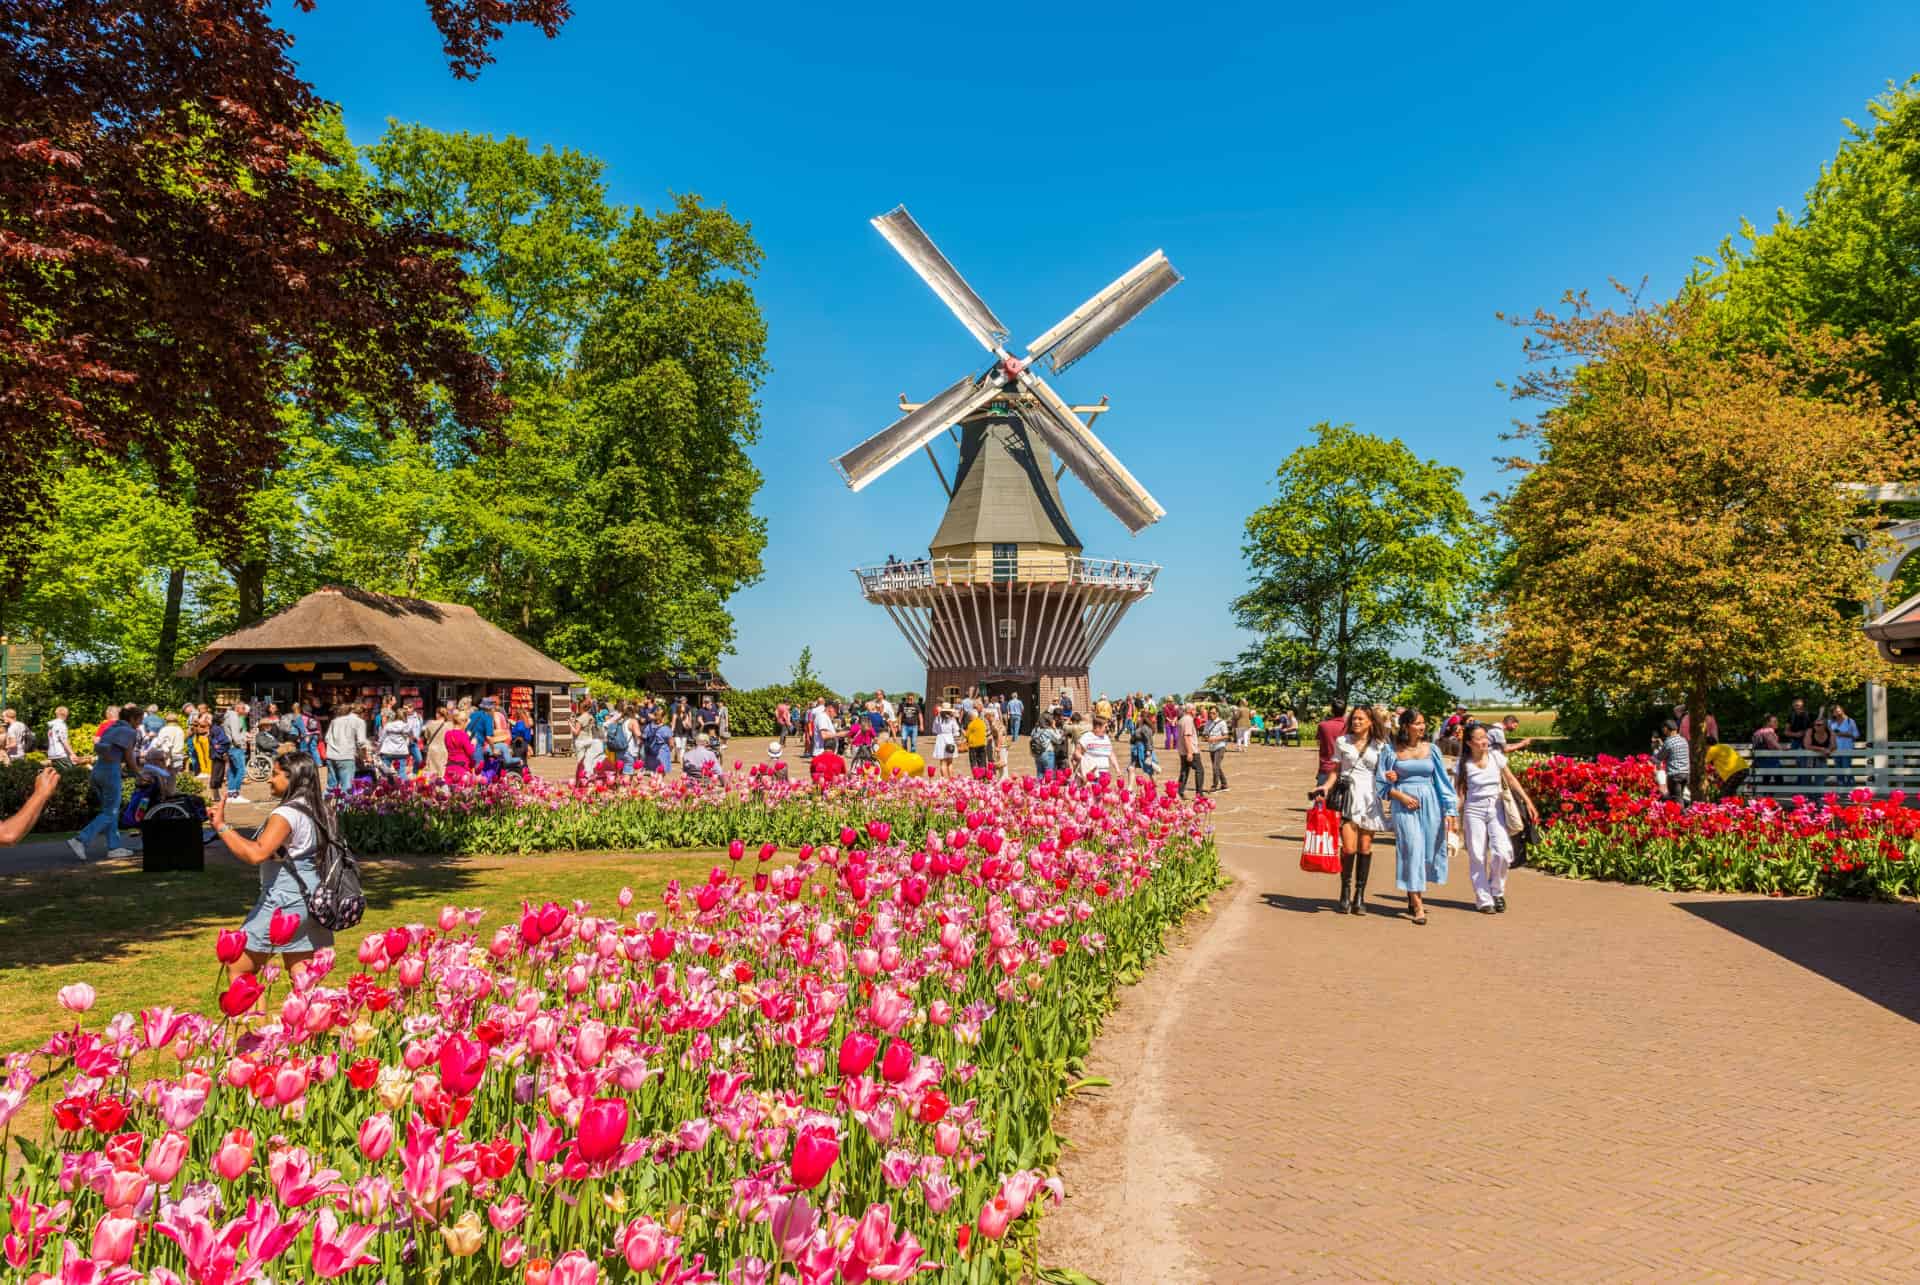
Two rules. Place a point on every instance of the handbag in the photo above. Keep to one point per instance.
(1511, 814)
(1320, 850)
(336, 900)
(1340, 797)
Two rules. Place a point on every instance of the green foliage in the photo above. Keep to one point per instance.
(1364, 548)
(750, 710)
(1850, 261)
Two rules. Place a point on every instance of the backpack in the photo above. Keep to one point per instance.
(26, 740)
(337, 900)
(617, 735)
(218, 744)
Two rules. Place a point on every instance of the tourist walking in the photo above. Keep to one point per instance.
(60, 739)
(1187, 741)
(1045, 744)
(1354, 794)
(976, 734)
(1242, 725)
(1096, 749)
(396, 743)
(287, 851)
(1016, 710)
(1410, 773)
(1674, 759)
(946, 736)
(1489, 793)
(1140, 757)
(1218, 736)
(1169, 722)
(910, 722)
(656, 742)
(1327, 736)
(346, 738)
(115, 750)
(234, 724)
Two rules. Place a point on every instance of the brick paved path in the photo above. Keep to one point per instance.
(1607, 1083)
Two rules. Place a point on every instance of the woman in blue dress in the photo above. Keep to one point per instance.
(1411, 773)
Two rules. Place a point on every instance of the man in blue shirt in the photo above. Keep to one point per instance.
(480, 726)
(1846, 735)
(1015, 711)
(113, 750)
(656, 742)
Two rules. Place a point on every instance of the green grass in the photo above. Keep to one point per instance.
(145, 940)
(1533, 722)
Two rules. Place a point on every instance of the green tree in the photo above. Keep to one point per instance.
(1848, 263)
(1365, 549)
(1685, 524)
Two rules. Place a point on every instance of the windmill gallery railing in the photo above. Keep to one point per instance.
(1037, 612)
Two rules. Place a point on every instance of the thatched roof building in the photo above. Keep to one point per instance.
(348, 644)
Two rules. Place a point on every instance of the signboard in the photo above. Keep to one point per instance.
(21, 658)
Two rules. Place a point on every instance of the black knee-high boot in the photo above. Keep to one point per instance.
(1362, 867)
(1346, 883)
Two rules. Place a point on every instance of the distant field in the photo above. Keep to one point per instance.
(1533, 722)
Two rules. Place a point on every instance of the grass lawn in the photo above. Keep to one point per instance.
(144, 940)
(1533, 722)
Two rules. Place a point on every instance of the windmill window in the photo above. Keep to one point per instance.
(1009, 627)
(1006, 563)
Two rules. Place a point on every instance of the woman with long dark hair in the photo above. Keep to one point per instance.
(1412, 774)
(287, 851)
(1357, 755)
(1487, 788)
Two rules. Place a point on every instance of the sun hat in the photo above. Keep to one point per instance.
(775, 749)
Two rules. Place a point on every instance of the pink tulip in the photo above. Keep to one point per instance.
(574, 1268)
(590, 1043)
(814, 1152)
(450, 918)
(856, 1052)
(506, 1214)
(283, 927)
(113, 1238)
(946, 1138)
(376, 1136)
(124, 1188)
(411, 970)
(603, 1127)
(230, 945)
(898, 1061)
(337, 1252)
(76, 998)
(463, 1064)
(158, 1026)
(995, 1216)
(643, 1242)
(234, 1155)
(164, 1158)
(180, 1105)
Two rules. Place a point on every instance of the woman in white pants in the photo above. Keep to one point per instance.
(1479, 780)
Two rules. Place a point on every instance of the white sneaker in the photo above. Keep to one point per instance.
(238, 798)
(78, 849)
(114, 854)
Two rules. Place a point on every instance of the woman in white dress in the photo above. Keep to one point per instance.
(1362, 816)
(946, 735)
(1478, 781)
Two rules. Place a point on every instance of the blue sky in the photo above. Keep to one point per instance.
(1351, 196)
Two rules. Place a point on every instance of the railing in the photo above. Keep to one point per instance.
(923, 573)
(1781, 774)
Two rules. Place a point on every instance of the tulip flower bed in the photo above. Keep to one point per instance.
(1602, 820)
(641, 813)
(836, 1066)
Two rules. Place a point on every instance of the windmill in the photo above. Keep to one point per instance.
(1005, 601)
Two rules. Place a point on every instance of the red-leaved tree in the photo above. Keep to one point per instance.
(175, 267)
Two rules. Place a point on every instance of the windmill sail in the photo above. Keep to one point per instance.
(918, 249)
(1091, 462)
(1087, 326)
(915, 429)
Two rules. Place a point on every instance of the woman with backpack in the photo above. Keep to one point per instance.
(288, 852)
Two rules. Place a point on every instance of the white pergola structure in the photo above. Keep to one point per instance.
(1893, 630)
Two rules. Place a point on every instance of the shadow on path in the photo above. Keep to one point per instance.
(1869, 949)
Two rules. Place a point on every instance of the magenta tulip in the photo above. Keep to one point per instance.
(898, 1062)
(603, 1127)
(856, 1053)
(814, 1152)
(463, 1063)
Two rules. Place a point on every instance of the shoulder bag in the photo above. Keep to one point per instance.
(336, 900)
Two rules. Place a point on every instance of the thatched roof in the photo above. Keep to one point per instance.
(408, 635)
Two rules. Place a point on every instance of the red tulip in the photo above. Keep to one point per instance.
(933, 1106)
(856, 1053)
(551, 917)
(814, 1152)
(396, 942)
(660, 944)
(496, 1158)
(241, 994)
(463, 1062)
(736, 850)
(898, 1063)
(847, 836)
(230, 945)
(362, 1074)
(603, 1127)
(767, 850)
(282, 928)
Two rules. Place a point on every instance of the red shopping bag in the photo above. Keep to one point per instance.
(1321, 853)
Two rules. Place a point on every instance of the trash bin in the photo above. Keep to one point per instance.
(172, 838)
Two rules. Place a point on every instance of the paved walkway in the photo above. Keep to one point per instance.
(1607, 1083)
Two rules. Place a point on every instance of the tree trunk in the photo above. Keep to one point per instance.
(169, 643)
(1340, 653)
(1697, 740)
(250, 585)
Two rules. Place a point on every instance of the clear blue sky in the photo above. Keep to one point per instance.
(1351, 196)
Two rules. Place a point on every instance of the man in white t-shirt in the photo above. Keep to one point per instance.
(1096, 750)
(59, 738)
(822, 726)
(346, 734)
(16, 734)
